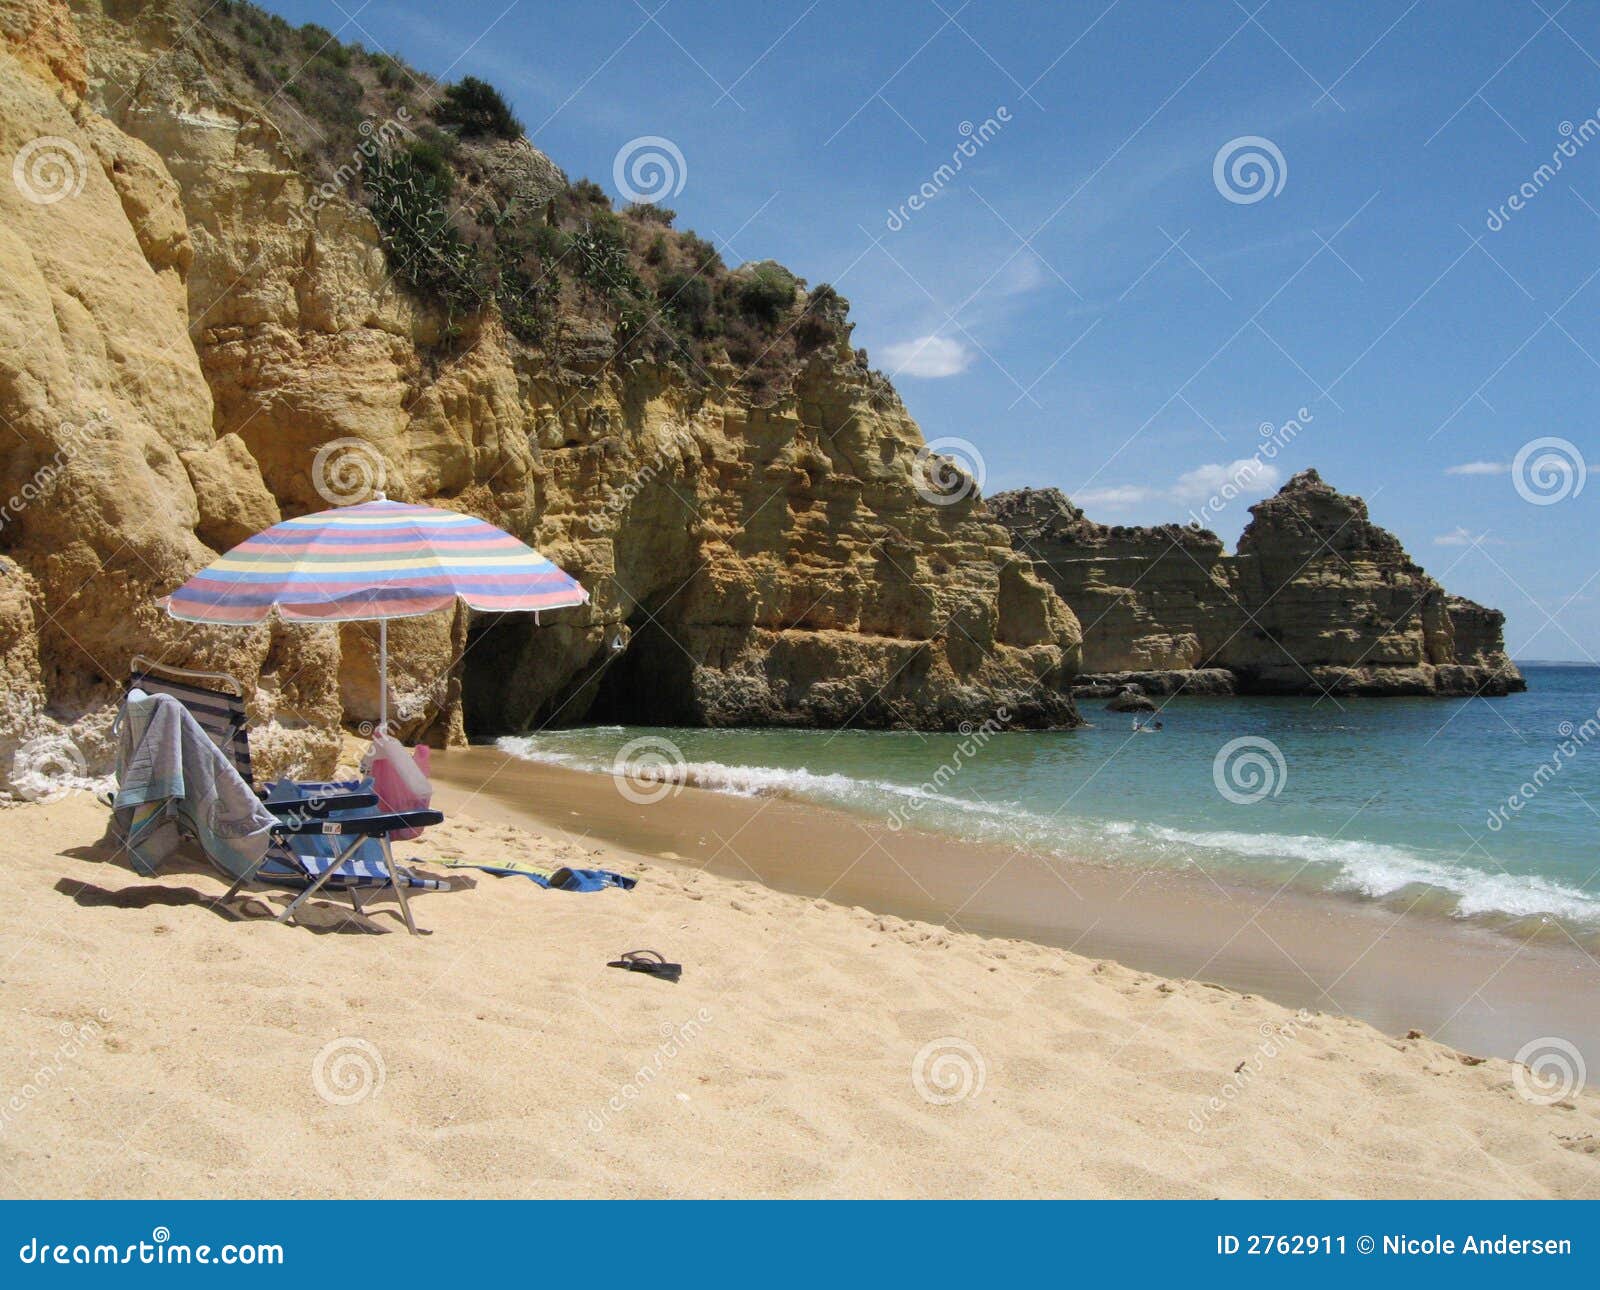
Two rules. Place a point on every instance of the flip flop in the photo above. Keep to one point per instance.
(649, 962)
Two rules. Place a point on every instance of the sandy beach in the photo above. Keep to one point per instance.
(160, 1046)
(1392, 964)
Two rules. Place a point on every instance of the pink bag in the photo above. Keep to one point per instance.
(401, 782)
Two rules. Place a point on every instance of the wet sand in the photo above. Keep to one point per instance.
(1476, 990)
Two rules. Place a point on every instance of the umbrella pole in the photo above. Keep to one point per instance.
(383, 675)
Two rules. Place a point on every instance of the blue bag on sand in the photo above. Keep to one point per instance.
(589, 880)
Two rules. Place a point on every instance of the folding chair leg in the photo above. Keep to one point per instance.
(397, 881)
(321, 878)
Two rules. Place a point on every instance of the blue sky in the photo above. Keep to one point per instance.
(1082, 302)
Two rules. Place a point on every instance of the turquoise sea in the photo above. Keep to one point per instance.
(1419, 803)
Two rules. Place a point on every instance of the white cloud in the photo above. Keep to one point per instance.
(1024, 274)
(1115, 498)
(1478, 468)
(928, 356)
(1246, 477)
(1460, 536)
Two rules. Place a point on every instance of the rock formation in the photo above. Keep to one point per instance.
(199, 334)
(1317, 600)
(1131, 699)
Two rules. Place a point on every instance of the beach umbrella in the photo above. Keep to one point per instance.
(373, 560)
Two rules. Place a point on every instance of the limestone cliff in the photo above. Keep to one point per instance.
(1318, 599)
(200, 332)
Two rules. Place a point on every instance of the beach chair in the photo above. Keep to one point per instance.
(348, 854)
(329, 834)
(221, 714)
(338, 849)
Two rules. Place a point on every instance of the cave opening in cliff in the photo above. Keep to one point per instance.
(519, 676)
(647, 683)
(494, 649)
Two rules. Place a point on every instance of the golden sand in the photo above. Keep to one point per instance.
(157, 1045)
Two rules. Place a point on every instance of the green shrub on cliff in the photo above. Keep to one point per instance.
(433, 157)
(688, 300)
(409, 200)
(651, 214)
(604, 265)
(767, 293)
(521, 259)
(476, 108)
(388, 71)
(823, 320)
(303, 68)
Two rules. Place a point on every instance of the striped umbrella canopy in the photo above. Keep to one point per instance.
(374, 560)
(377, 559)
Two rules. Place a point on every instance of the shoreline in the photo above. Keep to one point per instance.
(1479, 990)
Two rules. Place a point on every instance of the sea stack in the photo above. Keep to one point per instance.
(1317, 600)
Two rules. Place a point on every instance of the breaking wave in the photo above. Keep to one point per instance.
(1372, 870)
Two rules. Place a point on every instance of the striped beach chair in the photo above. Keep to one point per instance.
(220, 712)
(324, 858)
(331, 837)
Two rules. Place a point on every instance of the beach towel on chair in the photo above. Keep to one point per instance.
(174, 782)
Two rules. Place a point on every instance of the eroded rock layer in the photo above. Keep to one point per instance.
(188, 322)
(1318, 599)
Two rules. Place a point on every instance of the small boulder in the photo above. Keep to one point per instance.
(234, 502)
(1131, 699)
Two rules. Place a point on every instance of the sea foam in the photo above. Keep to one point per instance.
(1374, 870)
